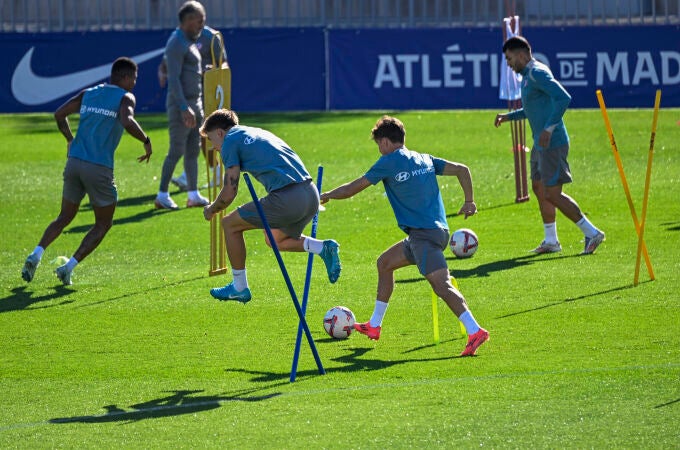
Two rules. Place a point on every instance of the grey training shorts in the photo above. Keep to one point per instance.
(82, 177)
(550, 165)
(288, 209)
(425, 249)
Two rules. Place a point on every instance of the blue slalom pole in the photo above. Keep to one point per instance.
(308, 280)
(301, 315)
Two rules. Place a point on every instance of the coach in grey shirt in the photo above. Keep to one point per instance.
(184, 105)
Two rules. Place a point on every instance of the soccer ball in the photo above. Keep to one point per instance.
(339, 322)
(464, 243)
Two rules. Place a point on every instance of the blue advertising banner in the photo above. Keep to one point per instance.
(460, 68)
(43, 70)
(315, 69)
(277, 69)
(272, 69)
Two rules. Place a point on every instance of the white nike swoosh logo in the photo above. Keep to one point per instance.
(31, 89)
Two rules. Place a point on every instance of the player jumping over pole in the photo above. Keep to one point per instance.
(291, 202)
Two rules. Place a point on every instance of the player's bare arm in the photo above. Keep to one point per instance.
(126, 113)
(347, 190)
(227, 193)
(71, 106)
(462, 172)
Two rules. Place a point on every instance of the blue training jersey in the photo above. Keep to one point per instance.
(264, 155)
(410, 180)
(544, 102)
(100, 130)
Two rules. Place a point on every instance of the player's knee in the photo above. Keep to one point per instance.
(380, 263)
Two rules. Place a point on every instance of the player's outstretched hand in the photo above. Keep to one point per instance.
(323, 198)
(147, 153)
(207, 212)
(469, 209)
(500, 118)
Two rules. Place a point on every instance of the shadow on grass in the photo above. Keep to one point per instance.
(569, 300)
(663, 405)
(22, 299)
(353, 363)
(671, 226)
(485, 208)
(485, 270)
(143, 291)
(180, 402)
(134, 201)
(441, 342)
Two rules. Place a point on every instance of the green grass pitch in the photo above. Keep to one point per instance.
(136, 354)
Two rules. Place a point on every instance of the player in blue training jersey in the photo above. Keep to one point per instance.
(291, 202)
(105, 111)
(410, 181)
(544, 103)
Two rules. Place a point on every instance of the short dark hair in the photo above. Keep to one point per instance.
(123, 67)
(517, 43)
(189, 8)
(221, 119)
(390, 128)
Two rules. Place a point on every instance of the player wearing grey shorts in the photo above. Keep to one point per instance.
(550, 165)
(545, 102)
(289, 209)
(291, 202)
(410, 182)
(105, 112)
(425, 248)
(82, 177)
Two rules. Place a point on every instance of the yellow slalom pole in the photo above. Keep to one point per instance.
(435, 315)
(643, 218)
(619, 164)
(435, 319)
(463, 332)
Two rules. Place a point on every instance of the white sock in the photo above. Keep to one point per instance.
(550, 233)
(588, 228)
(71, 264)
(38, 251)
(312, 245)
(378, 313)
(471, 325)
(162, 194)
(240, 279)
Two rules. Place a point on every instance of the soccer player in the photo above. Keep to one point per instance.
(291, 202)
(410, 181)
(544, 102)
(105, 111)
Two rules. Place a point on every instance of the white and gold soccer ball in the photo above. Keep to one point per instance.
(339, 322)
(464, 243)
